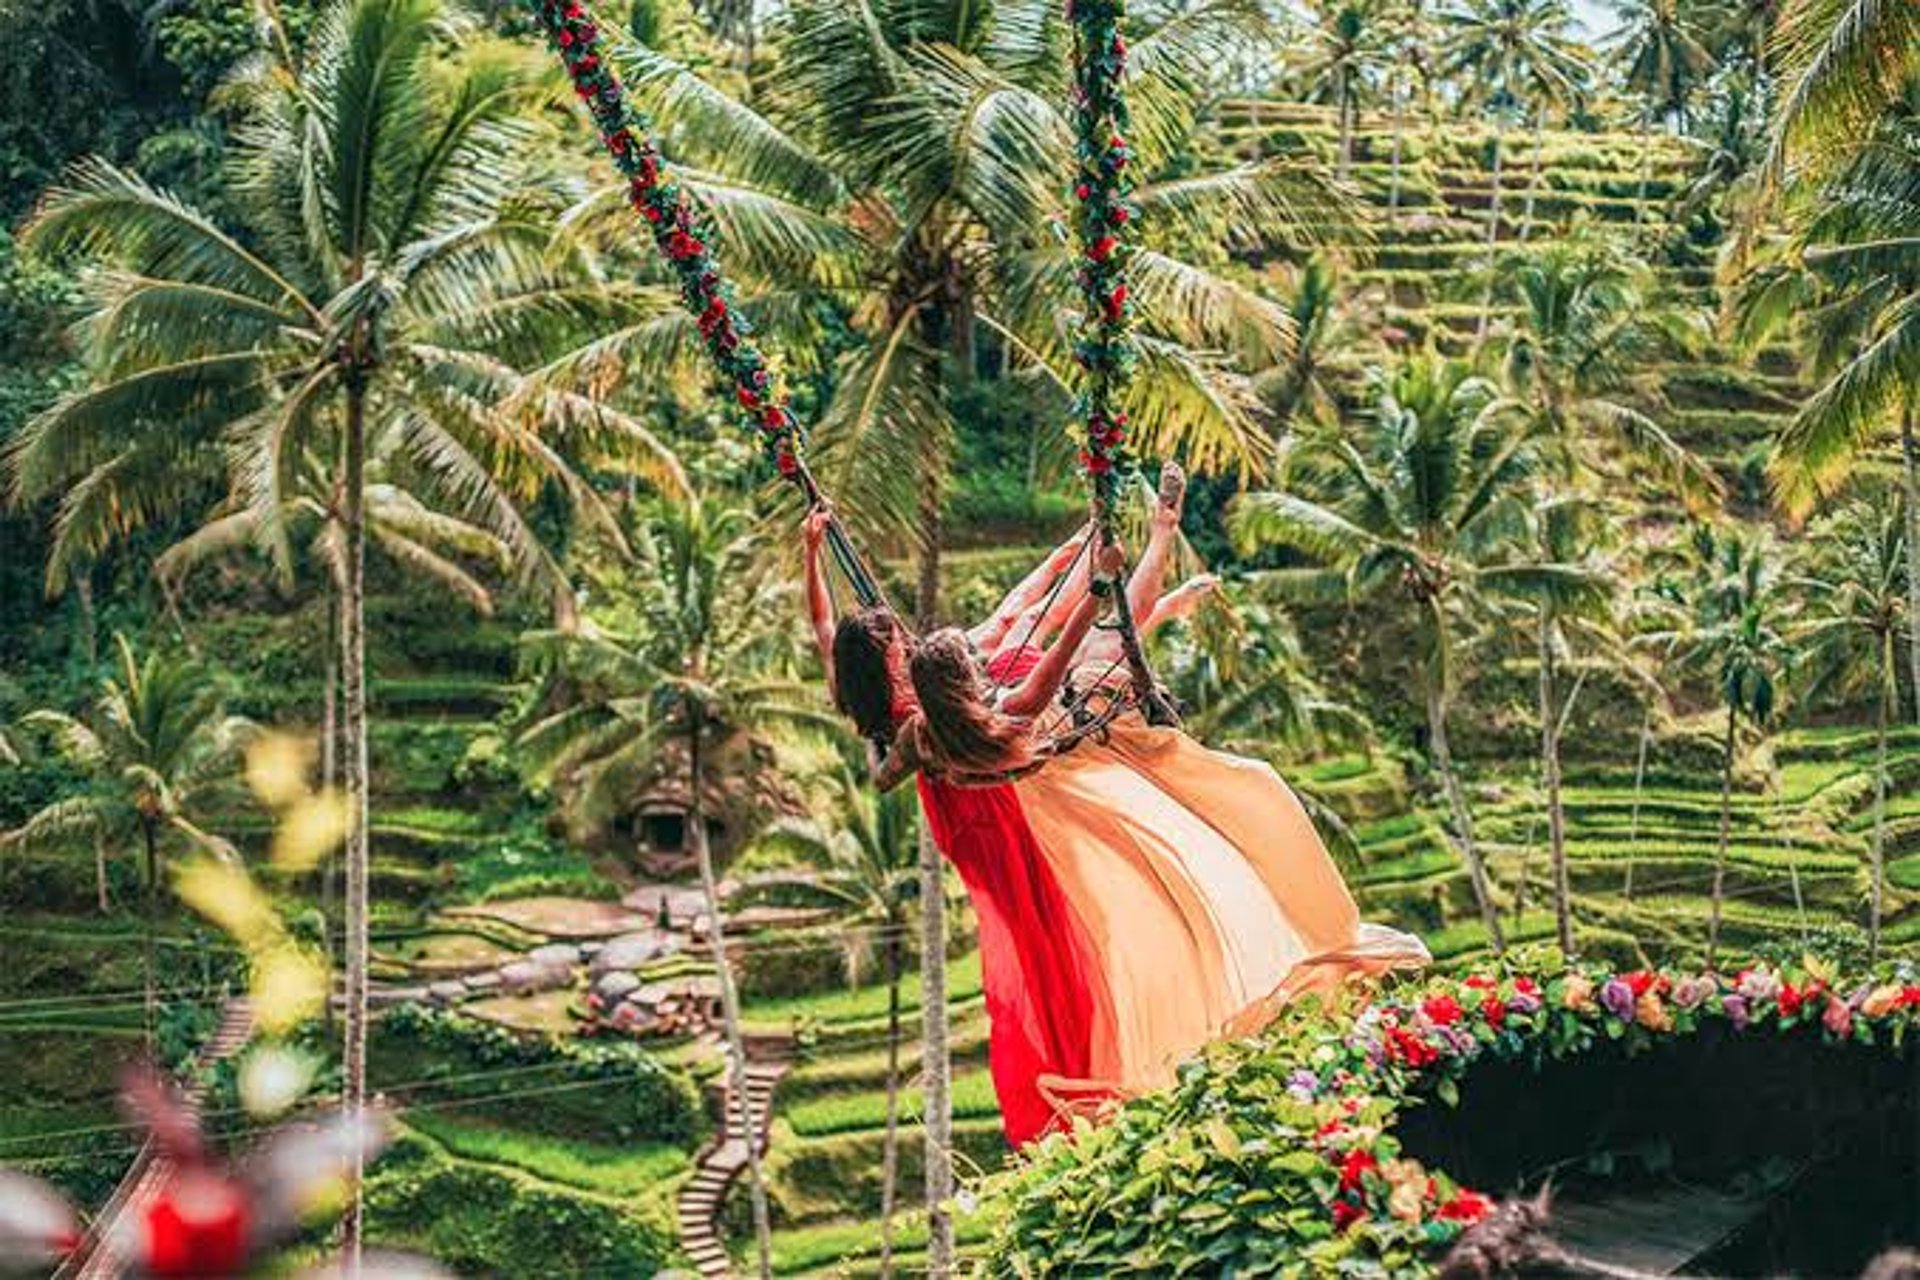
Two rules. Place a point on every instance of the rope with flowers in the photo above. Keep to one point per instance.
(685, 239)
(1105, 348)
(1281, 1154)
(1105, 351)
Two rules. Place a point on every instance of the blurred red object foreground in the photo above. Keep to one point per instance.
(194, 1214)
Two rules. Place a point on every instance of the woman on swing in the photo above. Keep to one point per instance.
(1138, 895)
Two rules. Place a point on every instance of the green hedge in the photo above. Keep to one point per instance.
(482, 1221)
(832, 1113)
(623, 1093)
(815, 1179)
(793, 963)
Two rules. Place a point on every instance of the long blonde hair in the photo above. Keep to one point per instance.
(964, 732)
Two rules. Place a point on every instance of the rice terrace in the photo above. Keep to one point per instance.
(1010, 638)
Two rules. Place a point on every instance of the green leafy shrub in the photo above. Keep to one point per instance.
(612, 1090)
(490, 1221)
(794, 964)
(1292, 1153)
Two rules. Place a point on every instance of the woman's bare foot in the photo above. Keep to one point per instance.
(1173, 495)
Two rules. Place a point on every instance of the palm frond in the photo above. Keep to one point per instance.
(1815, 449)
(1277, 204)
(111, 215)
(1284, 519)
(1202, 309)
(1843, 62)
(704, 126)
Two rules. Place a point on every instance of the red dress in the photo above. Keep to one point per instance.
(1043, 995)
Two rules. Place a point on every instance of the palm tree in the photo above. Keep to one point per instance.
(1574, 612)
(1848, 273)
(1408, 60)
(1346, 44)
(1304, 383)
(377, 274)
(1514, 58)
(1427, 504)
(868, 863)
(1854, 605)
(1587, 327)
(706, 668)
(154, 747)
(1734, 633)
(1666, 59)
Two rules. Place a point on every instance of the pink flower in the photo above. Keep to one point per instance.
(1837, 1018)
(1691, 992)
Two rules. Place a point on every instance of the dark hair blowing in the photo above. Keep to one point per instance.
(862, 678)
(967, 733)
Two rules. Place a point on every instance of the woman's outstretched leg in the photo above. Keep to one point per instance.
(1149, 577)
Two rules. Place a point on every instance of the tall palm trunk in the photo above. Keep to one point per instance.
(1344, 98)
(353, 680)
(1550, 777)
(100, 873)
(935, 1063)
(890, 1150)
(1639, 789)
(1493, 230)
(1393, 166)
(1888, 691)
(1462, 815)
(1910, 458)
(1646, 168)
(150, 1003)
(329, 778)
(936, 1066)
(1726, 835)
(729, 995)
(1533, 176)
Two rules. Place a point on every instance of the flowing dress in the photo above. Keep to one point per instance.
(1137, 897)
(1045, 995)
(1209, 897)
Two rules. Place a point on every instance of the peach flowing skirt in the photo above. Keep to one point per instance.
(1206, 895)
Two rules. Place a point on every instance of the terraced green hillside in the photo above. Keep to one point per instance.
(1416, 264)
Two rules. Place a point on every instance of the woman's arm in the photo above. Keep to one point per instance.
(897, 765)
(1021, 601)
(819, 600)
(1044, 681)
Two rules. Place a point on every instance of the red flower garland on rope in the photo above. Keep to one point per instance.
(1101, 192)
(679, 230)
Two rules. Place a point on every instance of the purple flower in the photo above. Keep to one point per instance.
(1521, 1002)
(1302, 1085)
(1617, 998)
(1735, 1007)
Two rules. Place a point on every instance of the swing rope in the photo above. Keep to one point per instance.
(685, 238)
(1106, 350)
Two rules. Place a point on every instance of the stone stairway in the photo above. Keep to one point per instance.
(147, 1176)
(724, 1161)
